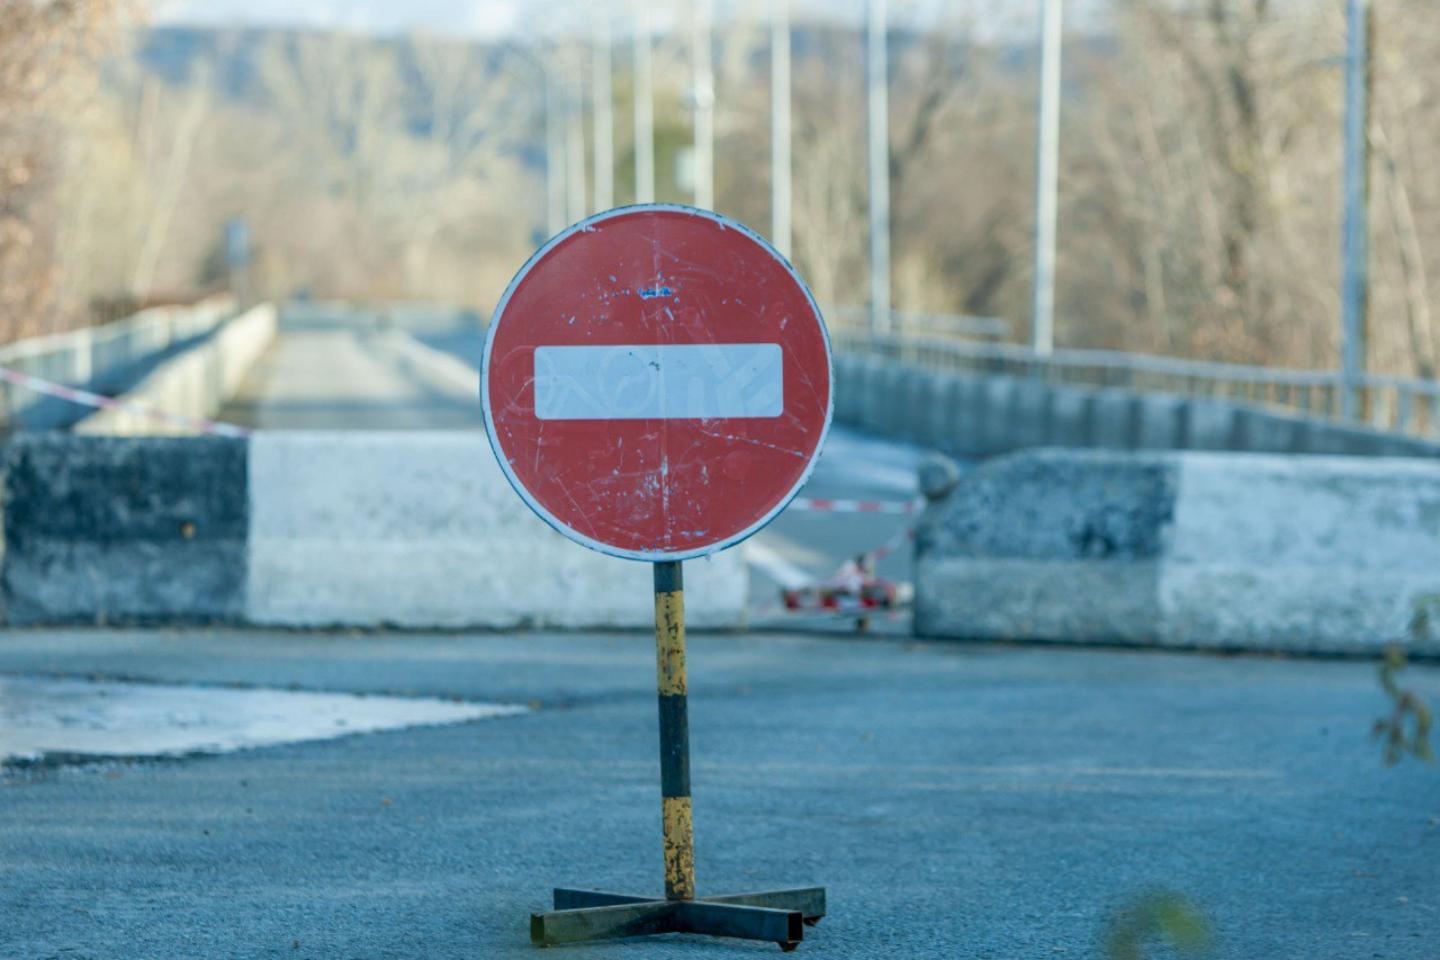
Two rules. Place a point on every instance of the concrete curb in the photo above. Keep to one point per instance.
(1217, 550)
(359, 529)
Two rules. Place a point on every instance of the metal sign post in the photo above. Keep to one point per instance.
(779, 916)
(657, 386)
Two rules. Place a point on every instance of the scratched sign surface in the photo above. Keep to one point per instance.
(657, 382)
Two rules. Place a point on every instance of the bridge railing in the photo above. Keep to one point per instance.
(94, 356)
(1407, 406)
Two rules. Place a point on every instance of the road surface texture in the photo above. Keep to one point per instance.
(370, 376)
(341, 377)
(957, 801)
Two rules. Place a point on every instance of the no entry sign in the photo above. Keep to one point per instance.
(657, 382)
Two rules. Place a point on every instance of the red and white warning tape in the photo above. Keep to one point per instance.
(855, 506)
(99, 401)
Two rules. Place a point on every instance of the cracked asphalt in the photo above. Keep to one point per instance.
(956, 800)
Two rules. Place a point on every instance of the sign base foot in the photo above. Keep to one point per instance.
(779, 916)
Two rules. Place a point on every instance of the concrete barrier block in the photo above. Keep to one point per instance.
(309, 530)
(1029, 414)
(1367, 443)
(1302, 553)
(1265, 431)
(914, 420)
(1161, 421)
(110, 530)
(1243, 551)
(996, 435)
(1211, 425)
(1399, 446)
(943, 412)
(1320, 437)
(895, 410)
(423, 530)
(1328, 437)
(849, 398)
(1071, 416)
(938, 475)
(967, 599)
(1115, 419)
(874, 378)
(992, 414)
(936, 411)
(1045, 545)
(966, 398)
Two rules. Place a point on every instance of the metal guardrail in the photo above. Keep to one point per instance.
(1397, 404)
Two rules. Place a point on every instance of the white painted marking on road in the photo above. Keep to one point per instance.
(41, 716)
(659, 381)
(782, 571)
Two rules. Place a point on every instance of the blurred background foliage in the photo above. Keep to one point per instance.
(1200, 164)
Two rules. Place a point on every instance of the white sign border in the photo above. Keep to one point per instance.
(649, 556)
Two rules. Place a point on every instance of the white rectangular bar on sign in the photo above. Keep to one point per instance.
(659, 381)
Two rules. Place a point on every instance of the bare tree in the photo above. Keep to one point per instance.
(1199, 182)
(1202, 171)
(47, 48)
(829, 180)
(395, 151)
(1405, 134)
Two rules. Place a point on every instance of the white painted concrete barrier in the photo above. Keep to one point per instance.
(422, 530)
(195, 383)
(1217, 550)
(361, 529)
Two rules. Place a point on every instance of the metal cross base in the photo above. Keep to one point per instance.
(779, 916)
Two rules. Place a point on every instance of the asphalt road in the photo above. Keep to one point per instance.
(344, 377)
(957, 801)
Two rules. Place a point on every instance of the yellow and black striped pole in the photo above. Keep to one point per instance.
(674, 731)
(779, 916)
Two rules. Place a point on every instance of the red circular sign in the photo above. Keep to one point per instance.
(657, 382)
